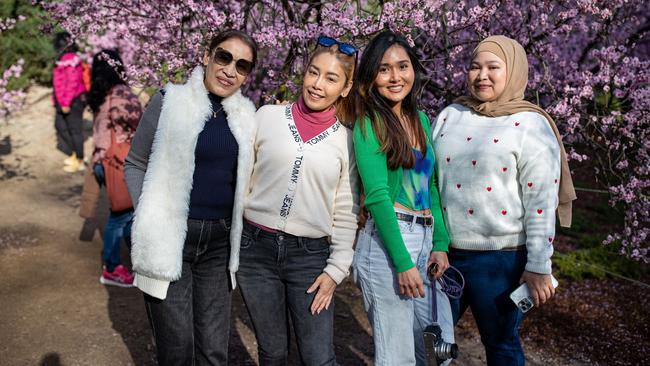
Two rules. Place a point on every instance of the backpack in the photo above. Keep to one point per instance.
(113, 163)
(86, 75)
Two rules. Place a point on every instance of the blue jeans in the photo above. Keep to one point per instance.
(398, 321)
(275, 271)
(490, 277)
(117, 227)
(192, 325)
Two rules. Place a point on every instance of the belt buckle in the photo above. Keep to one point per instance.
(428, 221)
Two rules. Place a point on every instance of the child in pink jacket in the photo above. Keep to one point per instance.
(69, 100)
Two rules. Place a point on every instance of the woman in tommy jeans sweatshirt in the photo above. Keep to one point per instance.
(300, 212)
(502, 166)
(68, 95)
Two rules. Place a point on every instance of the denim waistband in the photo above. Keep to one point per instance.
(257, 232)
(508, 249)
(223, 224)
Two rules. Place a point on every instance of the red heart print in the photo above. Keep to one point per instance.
(504, 169)
(517, 124)
(550, 240)
(539, 211)
(556, 181)
(489, 189)
(458, 185)
(530, 184)
(469, 138)
(504, 212)
(442, 134)
(448, 158)
(470, 211)
(474, 162)
(444, 209)
(495, 140)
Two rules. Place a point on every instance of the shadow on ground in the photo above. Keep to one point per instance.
(51, 359)
(12, 166)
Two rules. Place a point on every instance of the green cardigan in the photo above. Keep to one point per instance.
(381, 187)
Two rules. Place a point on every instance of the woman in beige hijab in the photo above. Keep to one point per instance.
(502, 175)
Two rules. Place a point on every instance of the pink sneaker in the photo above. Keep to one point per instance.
(120, 276)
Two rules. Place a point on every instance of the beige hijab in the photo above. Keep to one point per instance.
(512, 101)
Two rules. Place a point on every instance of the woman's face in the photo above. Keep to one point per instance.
(225, 80)
(396, 75)
(487, 76)
(324, 82)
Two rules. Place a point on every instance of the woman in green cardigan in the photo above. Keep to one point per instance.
(405, 234)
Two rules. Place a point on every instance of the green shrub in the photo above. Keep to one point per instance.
(26, 41)
(594, 260)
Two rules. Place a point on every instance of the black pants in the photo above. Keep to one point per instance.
(69, 126)
(192, 325)
(274, 274)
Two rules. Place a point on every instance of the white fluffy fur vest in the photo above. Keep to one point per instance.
(160, 224)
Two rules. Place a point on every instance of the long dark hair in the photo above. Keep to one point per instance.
(392, 136)
(107, 71)
(63, 43)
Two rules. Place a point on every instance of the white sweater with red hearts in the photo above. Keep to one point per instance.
(498, 179)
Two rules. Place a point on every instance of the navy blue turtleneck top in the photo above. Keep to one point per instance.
(215, 171)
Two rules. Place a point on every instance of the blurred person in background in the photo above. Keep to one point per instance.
(69, 88)
(117, 112)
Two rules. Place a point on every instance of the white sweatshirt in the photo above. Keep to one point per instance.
(498, 181)
(307, 188)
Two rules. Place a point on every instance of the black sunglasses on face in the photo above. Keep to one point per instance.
(224, 58)
(344, 48)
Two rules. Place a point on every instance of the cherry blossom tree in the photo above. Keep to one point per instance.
(11, 100)
(588, 63)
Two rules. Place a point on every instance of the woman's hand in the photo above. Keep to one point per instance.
(325, 286)
(439, 258)
(65, 110)
(410, 283)
(100, 175)
(540, 286)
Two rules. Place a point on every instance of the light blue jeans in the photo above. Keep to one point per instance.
(398, 321)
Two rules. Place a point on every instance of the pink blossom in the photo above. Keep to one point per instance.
(586, 66)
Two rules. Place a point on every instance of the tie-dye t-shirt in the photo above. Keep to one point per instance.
(414, 193)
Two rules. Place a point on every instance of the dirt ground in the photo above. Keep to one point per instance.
(53, 309)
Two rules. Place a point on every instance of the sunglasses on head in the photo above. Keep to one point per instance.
(344, 48)
(224, 58)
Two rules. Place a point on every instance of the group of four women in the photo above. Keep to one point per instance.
(269, 200)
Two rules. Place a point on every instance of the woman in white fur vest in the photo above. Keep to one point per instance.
(187, 171)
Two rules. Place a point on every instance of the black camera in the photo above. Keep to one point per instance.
(438, 351)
